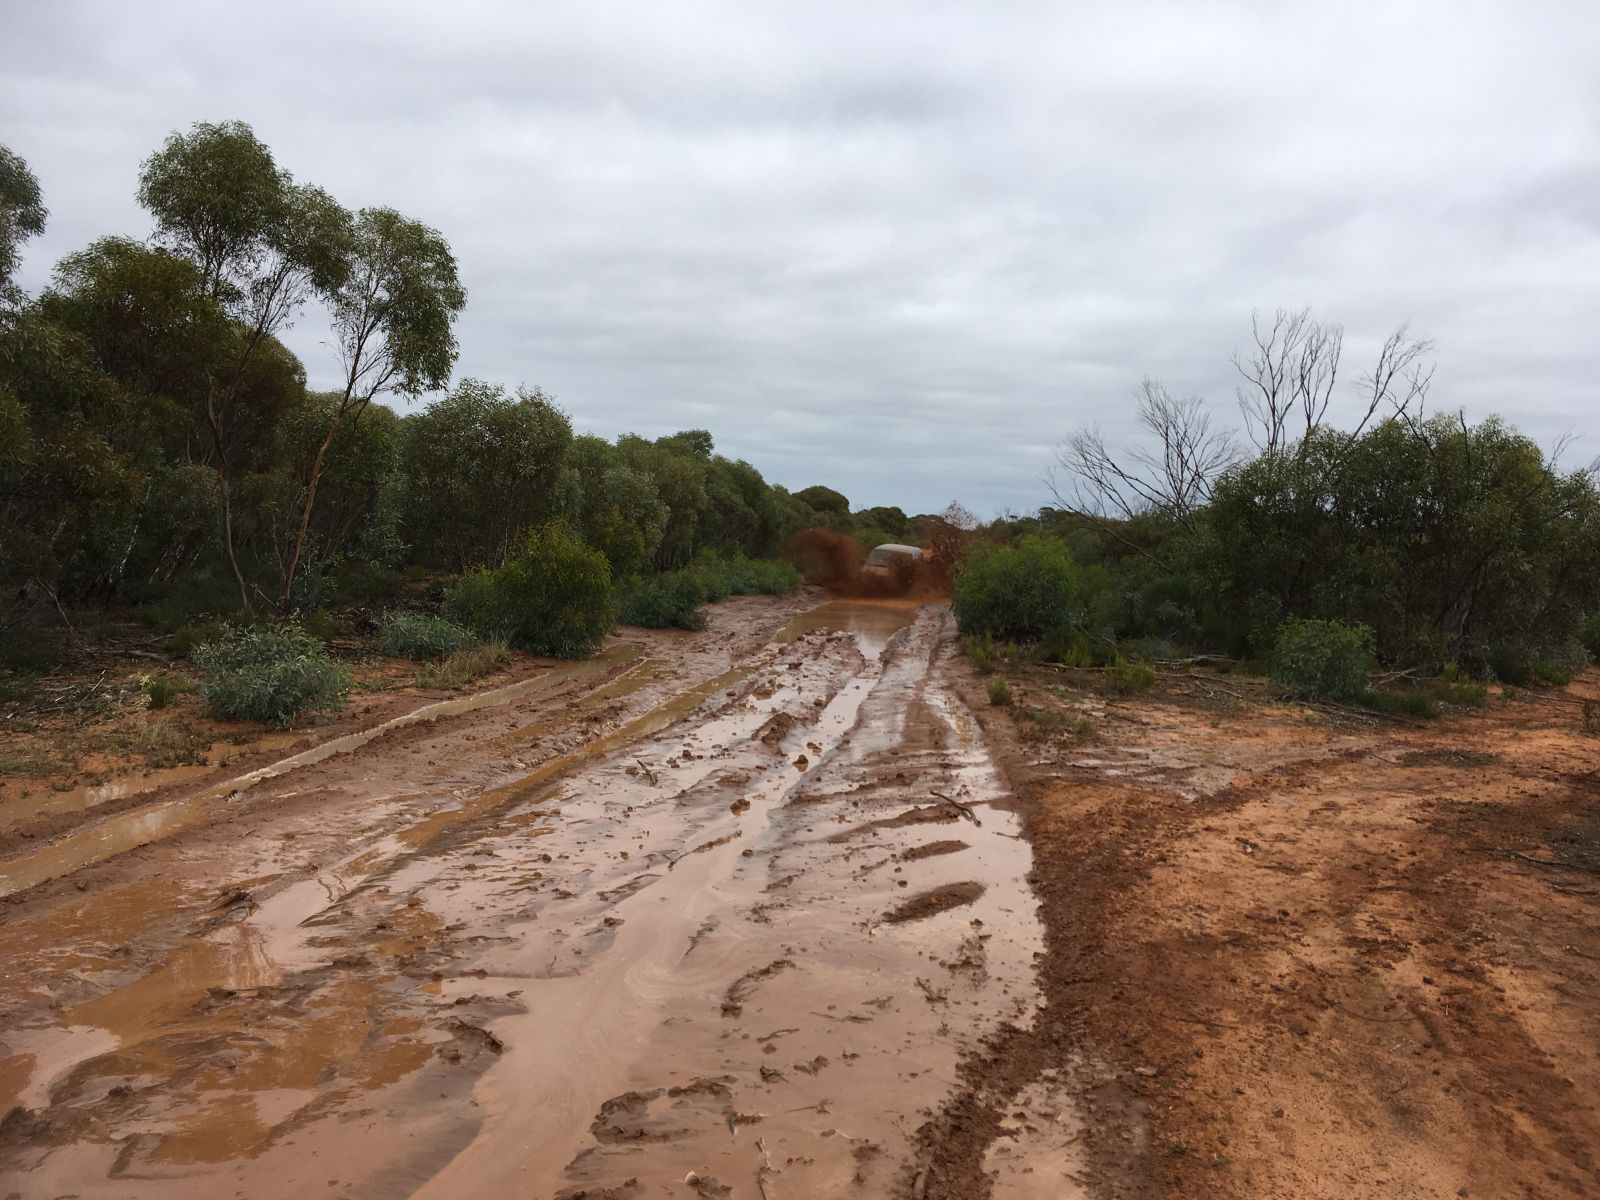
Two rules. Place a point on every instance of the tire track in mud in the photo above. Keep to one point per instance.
(581, 985)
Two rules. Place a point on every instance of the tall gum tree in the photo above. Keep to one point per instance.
(263, 246)
(393, 323)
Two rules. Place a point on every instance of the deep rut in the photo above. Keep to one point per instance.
(738, 946)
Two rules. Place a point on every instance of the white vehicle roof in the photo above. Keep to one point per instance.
(881, 555)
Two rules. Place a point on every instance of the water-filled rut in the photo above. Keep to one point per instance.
(734, 945)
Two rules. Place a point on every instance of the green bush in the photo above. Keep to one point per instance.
(1325, 660)
(269, 673)
(1406, 702)
(1022, 592)
(554, 596)
(186, 639)
(999, 691)
(671, 600)
(721, 577)
(981, 652)
(413, 635)
(161, 690)
(462, 667)
(1125, 676)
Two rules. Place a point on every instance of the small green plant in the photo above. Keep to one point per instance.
(464, 666)
(999, 690)
(413, 635)
(1401, 702)
(671, 600)
(1125, 677)
(161, 690)
(186, 639)
(1323, 660)
(981, 652)
(270, 673)
(553, 596)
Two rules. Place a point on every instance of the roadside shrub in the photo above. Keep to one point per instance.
(740, 576)
(161, 690)
(1325, 660)
(1405, 702)
(1589, 635)
(270, 673)
(461, 667)
(1123, 676)
(186, 639)
(981, 652)
(1022, 592)
(413, 635)
(554, 596)
(999, 691)
(671, 600)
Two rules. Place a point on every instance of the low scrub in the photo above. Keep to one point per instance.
(740, 576)
(1322, 660)
(416, 636)
(270, 673)
(1125, 677)
(553, 596)
(671, 600)
(461, 667)
(1022, 592)
(999, 691)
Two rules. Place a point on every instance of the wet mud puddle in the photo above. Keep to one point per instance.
(737, 950)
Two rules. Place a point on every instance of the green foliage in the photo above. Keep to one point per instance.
(481, 468)
(824, 500)
(22, 214)
(999, 690)
(1124, 676)
(160, 690)
(270, 673)
(413, 635)
(1022, 592)
(464, 666)
(553, 596)
(188, 638)
(671, 600)
(737, 575)
(981, 652)
(1324, 660)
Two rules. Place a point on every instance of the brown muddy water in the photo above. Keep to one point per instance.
(733, 943)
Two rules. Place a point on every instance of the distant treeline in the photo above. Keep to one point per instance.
(159, 445)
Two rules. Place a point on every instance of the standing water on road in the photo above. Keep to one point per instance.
(735, 946)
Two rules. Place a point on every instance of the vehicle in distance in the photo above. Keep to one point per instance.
(891, 560)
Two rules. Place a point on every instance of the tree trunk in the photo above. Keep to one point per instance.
(226, 498)
(287, 599)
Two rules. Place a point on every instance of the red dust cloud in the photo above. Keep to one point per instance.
(834, 560)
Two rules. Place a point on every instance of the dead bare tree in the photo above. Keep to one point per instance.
(1172, 475)
(1400, 380)
(1289, 377)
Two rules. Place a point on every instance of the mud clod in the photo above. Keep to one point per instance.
(935, 901)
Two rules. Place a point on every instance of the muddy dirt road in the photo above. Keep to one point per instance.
(718, 915)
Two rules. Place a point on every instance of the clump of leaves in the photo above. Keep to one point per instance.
(981, 652)
(270, 673)
(554, 596)
(1323, 660)
(413, 635)
(671, 600)
(186, 639)
(999, 691)
(462, 667)
(161, 690)
(1124, 676)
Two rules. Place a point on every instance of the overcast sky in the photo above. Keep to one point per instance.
(901, 249)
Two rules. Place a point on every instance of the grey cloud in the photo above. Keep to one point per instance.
(900, 249)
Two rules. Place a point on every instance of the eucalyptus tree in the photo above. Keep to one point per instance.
(263, 246)
(22, 216)
(394, 313)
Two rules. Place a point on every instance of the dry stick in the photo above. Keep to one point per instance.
(967, 812)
